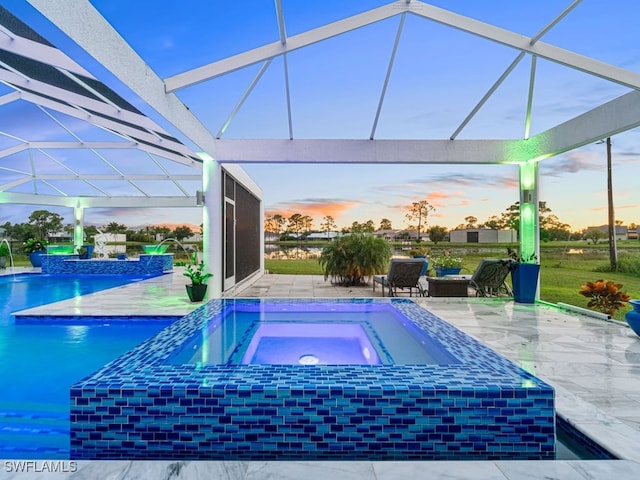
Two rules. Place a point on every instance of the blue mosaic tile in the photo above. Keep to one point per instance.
(483, 407)
(73, 265)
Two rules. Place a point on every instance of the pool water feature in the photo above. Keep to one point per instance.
(155, 249)
(8, 244)
(479, 407)
(60, 249)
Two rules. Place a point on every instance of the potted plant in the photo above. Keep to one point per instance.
(349, 259)
(446, 264)
(197, 289)
(33, 248)
(4, 253)
(524, 276)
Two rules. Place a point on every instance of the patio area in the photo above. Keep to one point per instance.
(593, 365)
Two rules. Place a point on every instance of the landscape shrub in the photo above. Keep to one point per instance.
(629, 263)
(348, 260)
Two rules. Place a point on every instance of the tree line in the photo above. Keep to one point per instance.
(43, 224)
(551, 227)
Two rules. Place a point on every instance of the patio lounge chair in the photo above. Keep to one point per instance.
(404, 273)
(489, 279)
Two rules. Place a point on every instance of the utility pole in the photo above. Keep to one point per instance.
(613, 252)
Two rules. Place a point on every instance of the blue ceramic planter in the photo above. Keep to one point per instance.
(632, 317)
(35, 259)
(88, 252)
(525, 282)
(442, 271)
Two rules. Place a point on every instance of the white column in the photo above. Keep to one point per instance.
(78, 226)
(212, 224)
(529, 212)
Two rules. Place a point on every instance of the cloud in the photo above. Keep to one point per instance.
(572, 162)
(627, 207)
(314, 207)
(138, 218)
(630, 157)
(437, 199)
(468, 180)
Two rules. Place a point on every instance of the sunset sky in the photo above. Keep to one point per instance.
(439, 75)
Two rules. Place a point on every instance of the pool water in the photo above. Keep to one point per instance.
(19, 292)
(40, 362)
(310, 344)
(254, 333)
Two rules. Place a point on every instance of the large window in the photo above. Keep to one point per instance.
(242, 230)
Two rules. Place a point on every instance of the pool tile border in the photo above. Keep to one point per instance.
(141, 407)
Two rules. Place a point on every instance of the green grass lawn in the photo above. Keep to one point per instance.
(561, 275)
(294, 267)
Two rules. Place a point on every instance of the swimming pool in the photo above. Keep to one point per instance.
(39, 362)
(144, 405)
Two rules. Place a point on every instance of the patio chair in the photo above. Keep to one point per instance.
(489, 279)
(404, 273)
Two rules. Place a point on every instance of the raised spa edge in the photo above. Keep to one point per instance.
(74, 265)
(141, 407)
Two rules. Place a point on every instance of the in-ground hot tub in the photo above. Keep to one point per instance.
(213, 386)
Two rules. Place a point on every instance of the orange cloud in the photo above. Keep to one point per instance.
(172, 226)
(437, 199)
(315, 208)
(625, 207)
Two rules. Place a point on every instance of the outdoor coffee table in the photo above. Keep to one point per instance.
(448, 286)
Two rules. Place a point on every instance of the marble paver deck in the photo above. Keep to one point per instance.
(594, 366)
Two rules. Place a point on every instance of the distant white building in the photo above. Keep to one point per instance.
(271, 236)
(400, 235)
(482, 235)
(323, 235)
(621, 231)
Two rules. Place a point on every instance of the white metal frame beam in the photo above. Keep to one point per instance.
(39, 52)
(97, 176)
(510, 68)
(84, 25)
(266, 52)
(616, 116)
(80, 145)
(613, 117)
(387, 76)
(523, 43)
(79, 107)
(364, 151)
(421, 9)
(98, 202)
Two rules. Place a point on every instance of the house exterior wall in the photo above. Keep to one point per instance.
(621, 232)
(483, 235)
